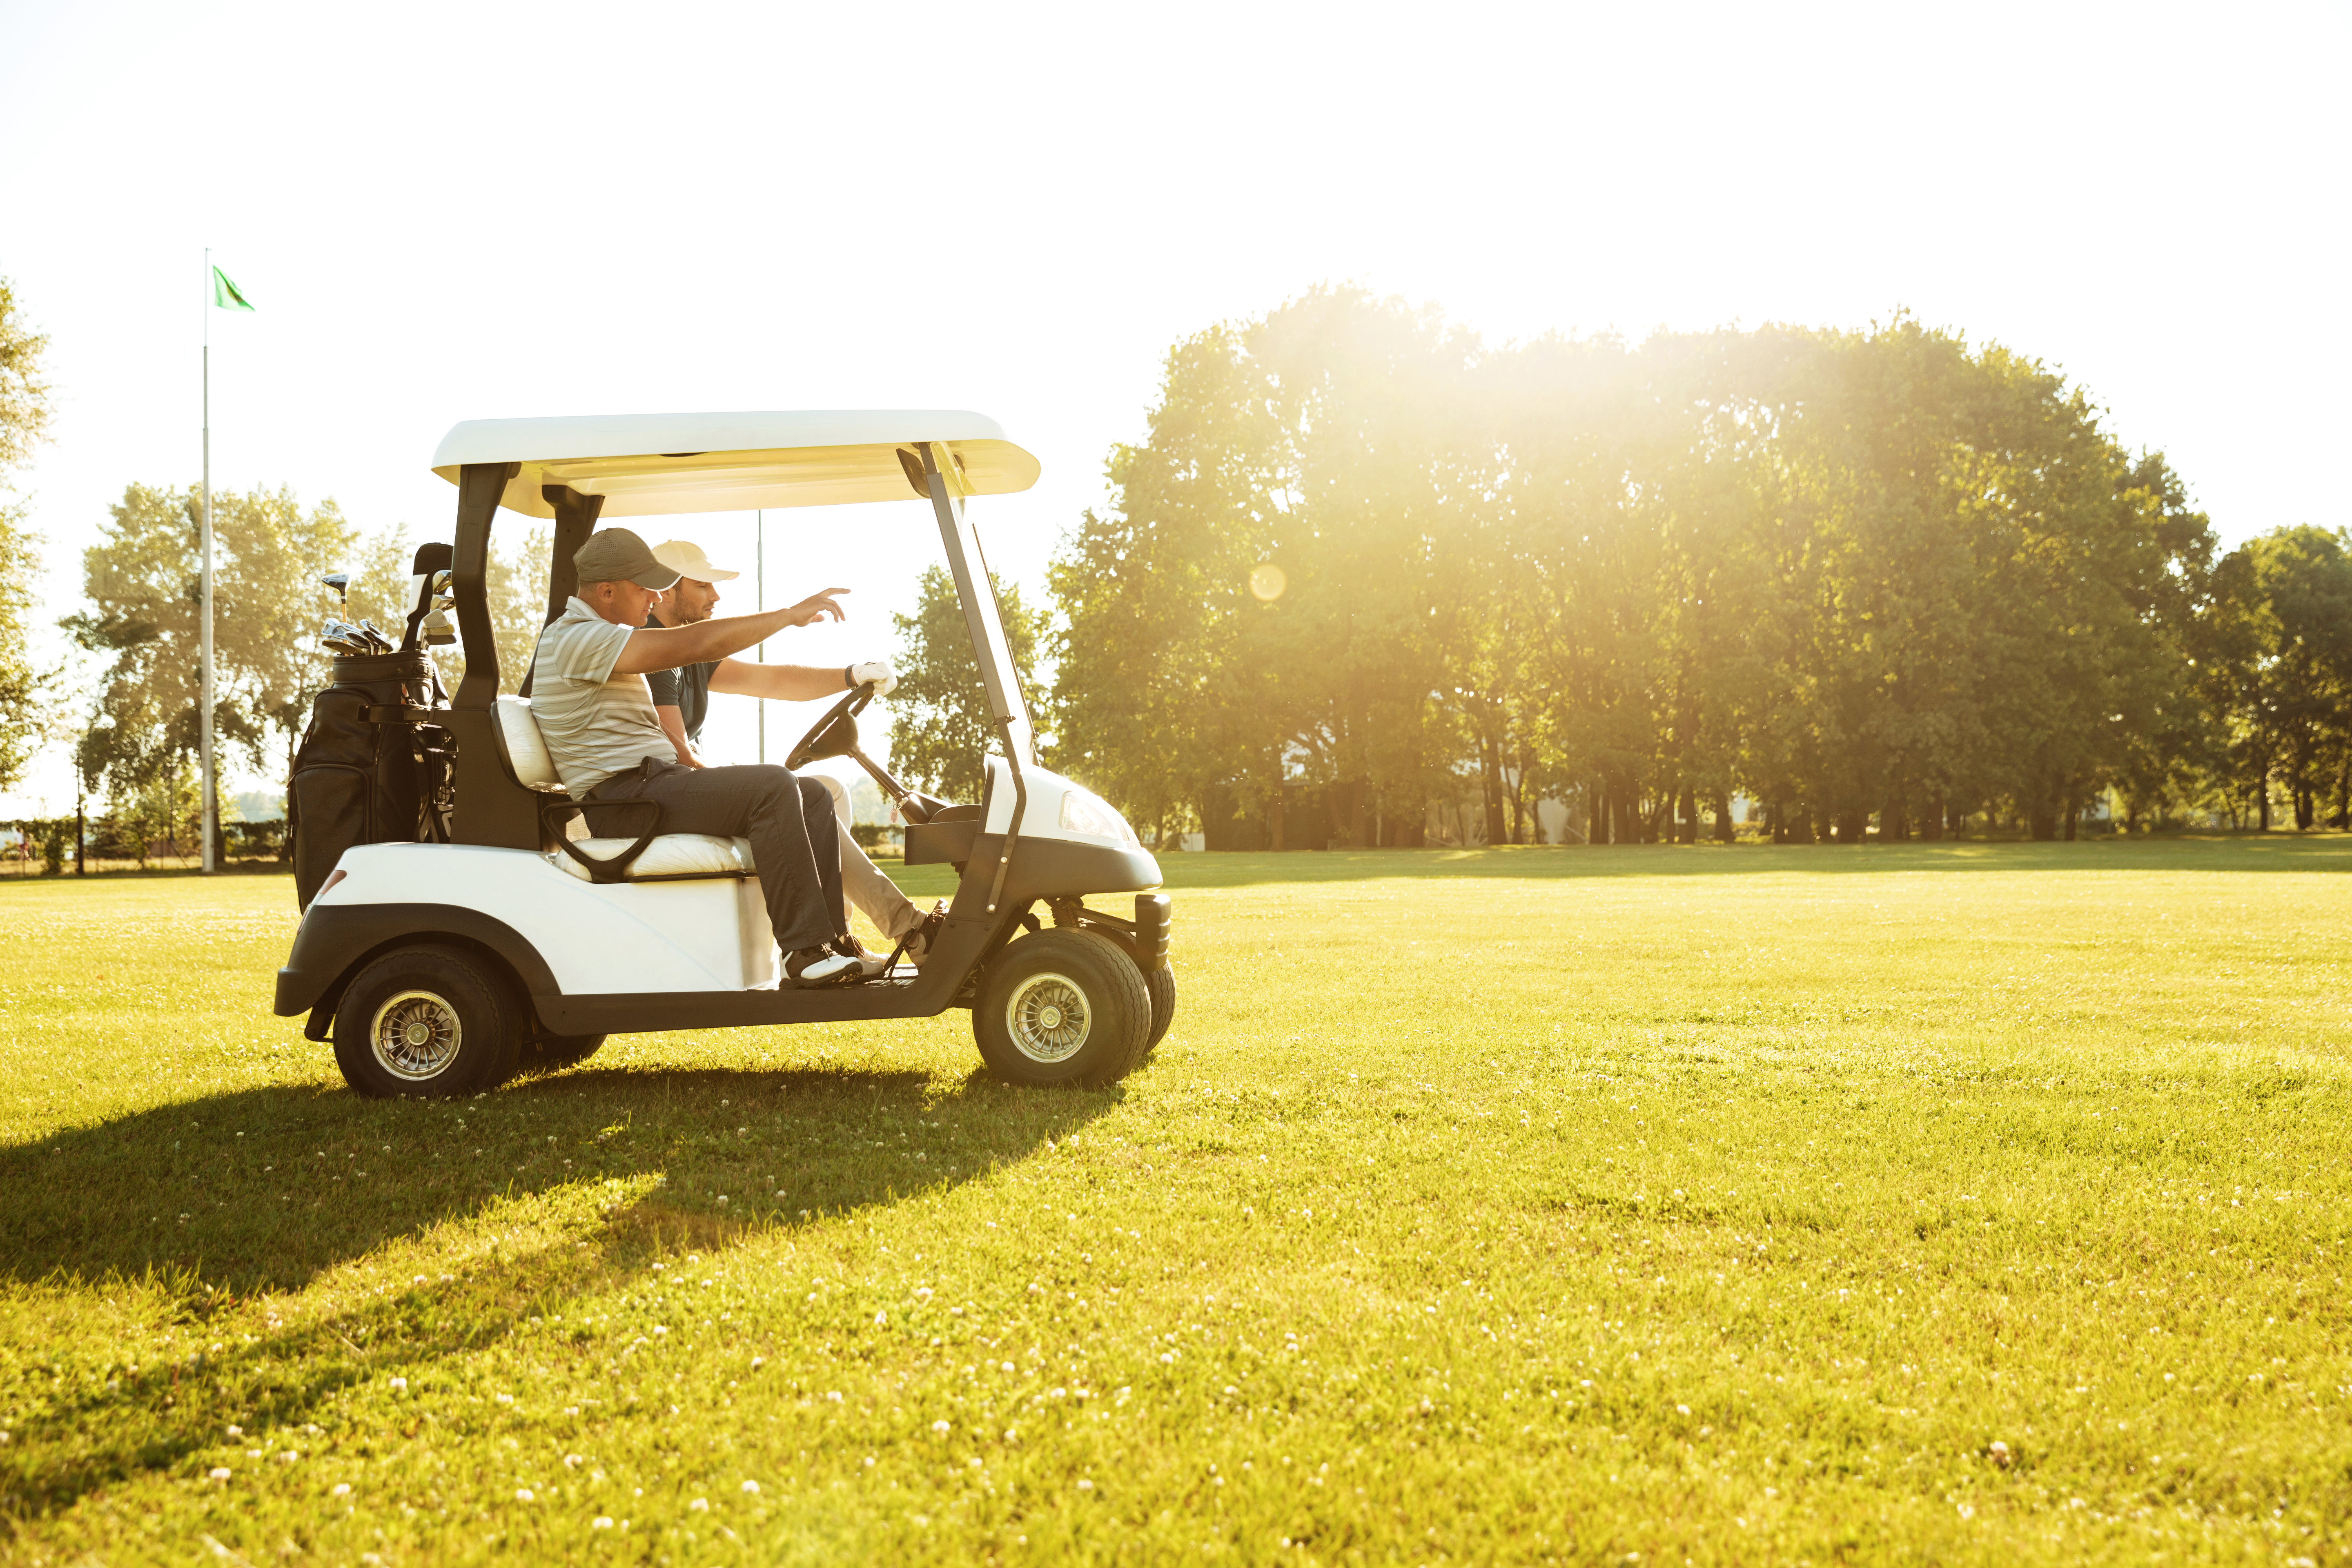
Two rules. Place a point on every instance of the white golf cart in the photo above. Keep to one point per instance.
(442, 967)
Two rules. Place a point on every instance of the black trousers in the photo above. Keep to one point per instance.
(795, 836)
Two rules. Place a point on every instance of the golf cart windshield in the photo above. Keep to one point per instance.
(577, 470)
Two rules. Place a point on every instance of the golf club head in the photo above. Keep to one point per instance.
(340, 582)
(373, 636)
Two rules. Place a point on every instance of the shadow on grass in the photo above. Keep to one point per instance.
(2218, 852)
(214, 1199)
(265, 1188)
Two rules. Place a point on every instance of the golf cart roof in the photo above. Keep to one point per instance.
(651, 465)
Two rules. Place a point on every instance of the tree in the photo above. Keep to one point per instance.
(2275, 659)
(143, 584)
(1251, 615)
(939, 723)
(24, 424)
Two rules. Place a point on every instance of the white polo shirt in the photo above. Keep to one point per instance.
(597, 723)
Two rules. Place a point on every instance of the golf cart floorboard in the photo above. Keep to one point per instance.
(651, 1012)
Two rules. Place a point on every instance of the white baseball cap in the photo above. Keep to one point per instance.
(687, 561)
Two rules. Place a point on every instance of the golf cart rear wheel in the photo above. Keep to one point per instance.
(1160, 985)
(429, 1021)
(1062, 1006)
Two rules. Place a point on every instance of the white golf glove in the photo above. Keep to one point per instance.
(878, 671)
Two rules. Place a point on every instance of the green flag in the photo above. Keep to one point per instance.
(226, 295)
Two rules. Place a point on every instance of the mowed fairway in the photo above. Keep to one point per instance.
(1953, 1204)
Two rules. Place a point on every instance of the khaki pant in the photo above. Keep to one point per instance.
(876, 896)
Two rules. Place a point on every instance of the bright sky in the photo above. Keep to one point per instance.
(456, 211)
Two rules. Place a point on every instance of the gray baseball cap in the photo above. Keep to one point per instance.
(616, 555)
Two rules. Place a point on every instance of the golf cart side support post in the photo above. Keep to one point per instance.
(479, 486)
(990, 647)
(489, 811)
(575, 520)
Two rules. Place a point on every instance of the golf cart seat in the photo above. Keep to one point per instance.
(665, 858)
(669, 856)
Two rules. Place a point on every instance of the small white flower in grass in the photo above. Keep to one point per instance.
(1086, 1486)
(236, 1431)
(869, 1461)
(506, 1399)
(881, 1320)
(219, 1474)
(722, 1200)
(398, 1384)
(342, 1489)
(751, 1486)
(1682, 1409)
(602, 1522)
(522, 1494)
(758, 1361)
(834, 1394)
(699, 1505)
(940, 1428)
(661, 1328)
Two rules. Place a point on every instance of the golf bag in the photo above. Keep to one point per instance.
(373, 768)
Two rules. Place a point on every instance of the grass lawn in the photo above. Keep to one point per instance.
(1951, 1204)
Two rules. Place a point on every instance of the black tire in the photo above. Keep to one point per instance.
(1160, 985)
(430, 1021)
(553, 1053)
(1062, 1006)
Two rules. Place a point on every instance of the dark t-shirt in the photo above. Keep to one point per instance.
(688, 689)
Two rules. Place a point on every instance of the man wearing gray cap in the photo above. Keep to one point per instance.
(589, 695)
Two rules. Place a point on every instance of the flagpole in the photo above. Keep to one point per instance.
(206, 594)
(760, 594)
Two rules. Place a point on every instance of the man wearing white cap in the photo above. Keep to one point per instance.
(682, 697)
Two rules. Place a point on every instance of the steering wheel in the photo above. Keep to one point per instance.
(836, 734)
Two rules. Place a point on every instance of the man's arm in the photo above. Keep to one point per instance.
(673, 724)
(669, 647)
(779, 682)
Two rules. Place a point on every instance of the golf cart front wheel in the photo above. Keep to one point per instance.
(428, 1021)
(1062, 1006)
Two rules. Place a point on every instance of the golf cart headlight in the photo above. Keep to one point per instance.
(1082, 813)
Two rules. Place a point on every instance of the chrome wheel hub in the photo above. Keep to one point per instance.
(1047, 1017)
(414, 1036)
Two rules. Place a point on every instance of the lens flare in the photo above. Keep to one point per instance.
(1267, 582)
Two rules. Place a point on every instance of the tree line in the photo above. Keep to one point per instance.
(1877, 581)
